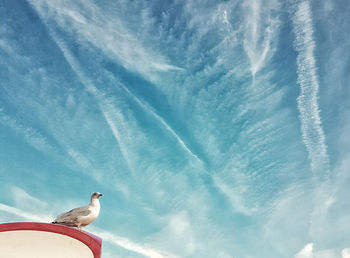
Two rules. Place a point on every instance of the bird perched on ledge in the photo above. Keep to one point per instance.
(82, 216)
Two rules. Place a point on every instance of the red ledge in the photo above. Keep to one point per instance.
(92, 241)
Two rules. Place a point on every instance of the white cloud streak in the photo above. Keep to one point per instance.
(311, 127)
(165, 124)
(23, 214)
(234, 195)
(30, 135)
(106, 106)
(106, 33)
(39, 142)
(259, 32)
(25, 201)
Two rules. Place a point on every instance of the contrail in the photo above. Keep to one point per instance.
(105, 106)
(309, 113)
(162, 121)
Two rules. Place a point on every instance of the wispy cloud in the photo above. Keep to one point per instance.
(113, 117)
(25, 201)
(105, 32)
(259, 32)
(84, 163)
(39, 142)
(27, 206)
(296, 200)
(23, 214)
(311, 126)
(30, 135)
(104, 104)
(234, 194)
(178, 234)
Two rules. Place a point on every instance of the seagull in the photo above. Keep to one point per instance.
(82, 216)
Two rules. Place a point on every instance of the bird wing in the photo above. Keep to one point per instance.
(74, 214)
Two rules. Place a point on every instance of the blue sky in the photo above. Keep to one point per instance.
(213, 128)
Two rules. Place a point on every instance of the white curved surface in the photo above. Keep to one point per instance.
(41, 244)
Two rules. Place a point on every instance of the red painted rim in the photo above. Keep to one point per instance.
(92, 241)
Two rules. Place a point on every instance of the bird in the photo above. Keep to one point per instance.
(82, 216)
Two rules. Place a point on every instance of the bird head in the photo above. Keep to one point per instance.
(96, 195)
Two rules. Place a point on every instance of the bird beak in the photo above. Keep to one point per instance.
(100, 195)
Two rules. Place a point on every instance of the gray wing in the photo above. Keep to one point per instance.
(72, 215)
